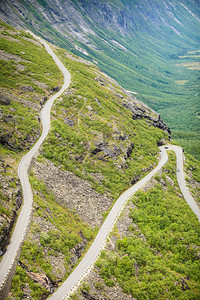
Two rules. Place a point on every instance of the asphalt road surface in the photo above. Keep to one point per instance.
(23, 168)
(181, 180)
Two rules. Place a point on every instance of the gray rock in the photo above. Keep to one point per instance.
(109, 152)
(141, 111)
(4, 100)
(69, 122)
(161, 142)
(96, 99)
(56, 89)
(27, 88)
(9, 119)
(43, 100)
(130, 150)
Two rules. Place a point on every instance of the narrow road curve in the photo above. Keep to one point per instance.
(83, 268)
(23, 221)
(181, 180)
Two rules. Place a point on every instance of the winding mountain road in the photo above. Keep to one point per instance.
(91, 256)
(181, 180)
(25, 215)
(23, 221)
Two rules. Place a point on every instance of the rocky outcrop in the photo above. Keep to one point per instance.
(42, 280)
(73, 192)
(78, 249)
(11, 196)
(27, 88)
(142, 111)
(108, 152)
(4, 100)
(139, 109)
(137, 176)
(56, 89)
(39, 278)
(130, 150)
(20, 142)
(161, 142)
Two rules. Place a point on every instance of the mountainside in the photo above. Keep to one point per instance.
(103, 134)
(149, 47)
(102, 140)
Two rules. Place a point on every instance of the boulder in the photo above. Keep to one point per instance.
(5, 100)
(9, 119)
(43, 100)
(130, 150)
(69, 122)
(42, 280)
(161, 142)
(56, 89)
(27, 88)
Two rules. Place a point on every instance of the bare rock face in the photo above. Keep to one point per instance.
(140, 111)
(161, 142)
(78, 249)
(10, 196)
(39, 278)
(4, 100)
(73, 192)
(27, 88)
(107, 151)
(99, 291)
(42, 280)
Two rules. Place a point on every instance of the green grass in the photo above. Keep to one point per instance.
(152, 64)
(72, 148)
(34, 56)
(165, 265)
(57, 241)
(24, 62)
(66, 143)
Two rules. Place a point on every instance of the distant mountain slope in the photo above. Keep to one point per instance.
(149, 47)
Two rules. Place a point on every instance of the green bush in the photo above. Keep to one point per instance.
(160, 259)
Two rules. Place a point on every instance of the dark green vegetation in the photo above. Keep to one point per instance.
(28, 75)
(192, 169)
(159, 259)
(149, 47)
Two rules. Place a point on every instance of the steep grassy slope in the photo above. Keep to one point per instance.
(24, 88)
(153, 253)
(145, 45)
(102, 140)
(103, 136)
